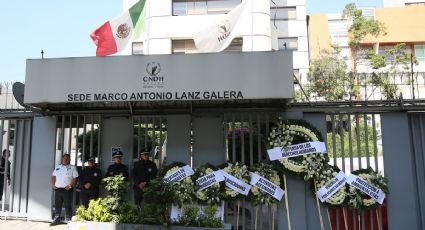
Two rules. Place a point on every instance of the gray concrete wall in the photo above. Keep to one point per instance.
(208, 144)
(399, 169)
(116, 132)
(42, 165)
(178, 138)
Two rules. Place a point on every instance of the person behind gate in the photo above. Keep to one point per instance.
(89, 180)
(117, 168)
(3, 174)
(143, 172)
(64, 178)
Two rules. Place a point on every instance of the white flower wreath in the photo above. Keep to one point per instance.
(326, 176)
(239, 171)
(266, 171)
(358, 199)
(285, 133)
(183, 190)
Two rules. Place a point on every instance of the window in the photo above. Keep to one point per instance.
(288, 43)
(283, 13)
(415, 3)
(420, 53)
(137, 48)
(194, 7)
(188, 46)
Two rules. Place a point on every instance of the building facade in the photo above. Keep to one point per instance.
(401, 27)
(274, 25)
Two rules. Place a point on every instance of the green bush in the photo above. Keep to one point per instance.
(112, 208)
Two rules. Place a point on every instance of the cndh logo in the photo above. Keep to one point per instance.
(223, 30)
(153, 70)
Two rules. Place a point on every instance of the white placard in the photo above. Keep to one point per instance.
(179, 174)
(235, 184)
(208, 180)
(367, 188)
(266, 186)
(331, 188)
(277, 153)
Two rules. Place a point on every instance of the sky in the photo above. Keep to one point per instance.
(61, 28)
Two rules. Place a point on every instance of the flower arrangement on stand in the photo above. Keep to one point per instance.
(183, 190)
(266, 170)
(211, 194)
(290, 132)
(325, 177)
(360, 200)
(239, 171)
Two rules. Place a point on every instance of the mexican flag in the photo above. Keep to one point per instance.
(114, 35)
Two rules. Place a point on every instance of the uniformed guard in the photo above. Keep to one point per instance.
(64, 178)
(117, 168)
(144, 171)
(89, 180)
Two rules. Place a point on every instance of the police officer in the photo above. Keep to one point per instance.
(117, 168)
(3, 174)
(64, 178)
(144, 171)
(89, 180)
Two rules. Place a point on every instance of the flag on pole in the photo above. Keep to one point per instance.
(114, 35)
(219, 35)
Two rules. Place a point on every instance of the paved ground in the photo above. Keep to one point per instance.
(22, 224)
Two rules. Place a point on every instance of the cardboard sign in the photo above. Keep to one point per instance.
(331, 188)
(367, 188)
(179, 174)
(266, 186)
(235, 184)
(208, 180)
(277, 153)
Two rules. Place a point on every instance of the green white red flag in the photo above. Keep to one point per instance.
(114, 35)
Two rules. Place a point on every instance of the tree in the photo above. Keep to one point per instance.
(359, 29)
(327, 76)
(363, 141)
(394, 61)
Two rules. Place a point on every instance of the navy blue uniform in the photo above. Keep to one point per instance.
(143, 171)
(117, 169)
(93, 176)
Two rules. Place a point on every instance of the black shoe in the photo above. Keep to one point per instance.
(55, 221)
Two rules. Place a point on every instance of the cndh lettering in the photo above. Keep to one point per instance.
(223, 37)
(154, 79)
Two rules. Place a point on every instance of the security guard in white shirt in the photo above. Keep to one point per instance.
(64, 178)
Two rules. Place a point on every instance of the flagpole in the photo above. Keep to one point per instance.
(149, 27)
(252, 25)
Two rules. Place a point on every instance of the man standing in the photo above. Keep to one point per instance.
(117, 168)
(3, 168)
(143, 171)
(64, 178)
(89, 180)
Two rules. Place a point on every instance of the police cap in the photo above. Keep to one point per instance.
(117, 154)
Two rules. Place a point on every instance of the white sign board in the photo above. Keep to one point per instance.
(332, 187)
(266, 186)
(235, 184)
(367, 188)
(277, 153)
(179, 174)
(208, 180)
(219, 76)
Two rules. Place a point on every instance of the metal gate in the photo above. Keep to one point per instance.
(15, 144)
(354, 141)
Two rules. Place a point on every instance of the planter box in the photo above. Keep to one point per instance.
(89, 225)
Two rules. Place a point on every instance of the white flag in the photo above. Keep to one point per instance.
(219, 35)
